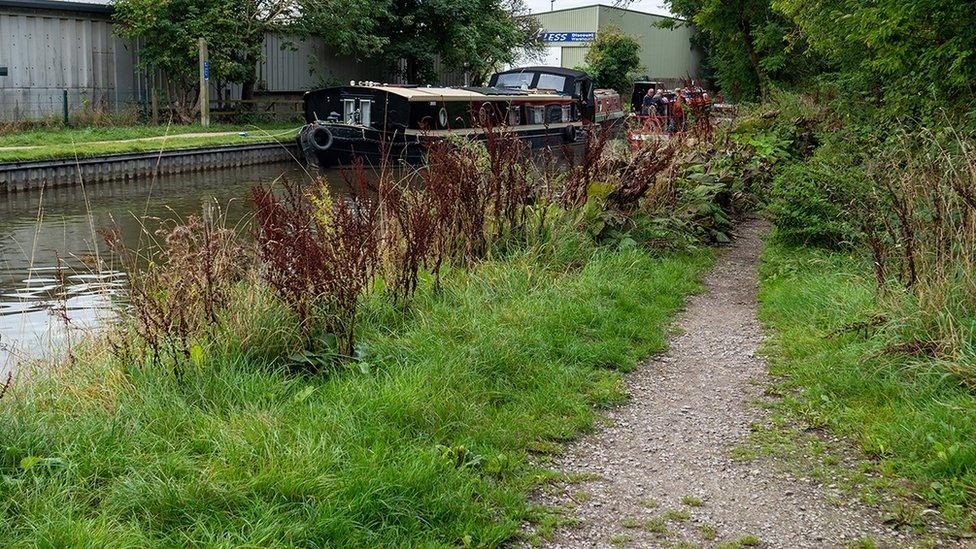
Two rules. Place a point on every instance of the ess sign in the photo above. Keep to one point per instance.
(568, 36)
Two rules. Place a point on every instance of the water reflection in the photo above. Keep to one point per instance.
(57, 279)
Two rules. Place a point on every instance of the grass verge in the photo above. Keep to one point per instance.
(428, 446)
(94, 141)
(905, 411)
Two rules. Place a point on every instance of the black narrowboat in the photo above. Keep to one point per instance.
(542, 105)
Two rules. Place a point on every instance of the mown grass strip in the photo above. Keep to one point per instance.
(89, 142)
(907, 412)
(429, 448)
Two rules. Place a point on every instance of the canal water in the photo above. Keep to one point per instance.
(58, 280)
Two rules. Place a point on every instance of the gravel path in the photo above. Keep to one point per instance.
(671, 445)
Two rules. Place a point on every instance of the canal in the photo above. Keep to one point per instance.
(44, 308)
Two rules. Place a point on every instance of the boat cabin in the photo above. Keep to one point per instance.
(573, 83)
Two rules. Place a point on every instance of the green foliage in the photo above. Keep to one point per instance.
(480, 33)
(814, 203)
(168, 32)
(911, 58)
(749, 44)
(612, 60)
(431, 449)
(915, 56)
(167, 35)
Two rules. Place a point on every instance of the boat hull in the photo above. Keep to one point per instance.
(350, 144)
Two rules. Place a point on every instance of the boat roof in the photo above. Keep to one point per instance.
(467, 94)
(551, 70)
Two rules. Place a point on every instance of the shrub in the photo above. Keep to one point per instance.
(807, 207)
(178, 288)
(320, 254)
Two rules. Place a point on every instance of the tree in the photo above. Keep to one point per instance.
(483, 34)
(612, 58)
(167, 33)
(914, 55)
(749, 44)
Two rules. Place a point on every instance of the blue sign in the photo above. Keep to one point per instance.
(568, 36)
(206, 69)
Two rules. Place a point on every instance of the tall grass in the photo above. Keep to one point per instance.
(928, 242)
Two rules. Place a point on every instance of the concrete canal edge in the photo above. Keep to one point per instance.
(25, 176)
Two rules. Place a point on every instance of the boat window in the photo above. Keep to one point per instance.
(551, 82)
(514, 115)
(554, 114)
(349, 111)
(515, 80)
(537, 114)
(365, 112)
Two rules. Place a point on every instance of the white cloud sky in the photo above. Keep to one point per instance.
(650, 6)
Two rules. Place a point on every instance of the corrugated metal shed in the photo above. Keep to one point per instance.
(665, 53)
(49, 46)
(46, 52)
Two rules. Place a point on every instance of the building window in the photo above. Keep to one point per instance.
(365, 112)
(357, 111)
(554, 114)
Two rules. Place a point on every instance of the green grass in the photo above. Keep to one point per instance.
(917, 421)
(430, 448)
(82, 142)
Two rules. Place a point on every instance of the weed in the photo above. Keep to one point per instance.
(744, 541)
(657, 525)
(178, 288)
(650, 503)
(708, 532)
(692, 501)
(676, 515)
(320, 254)
(621, 539)
(630, 523)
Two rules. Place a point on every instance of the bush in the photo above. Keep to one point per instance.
(805, 208)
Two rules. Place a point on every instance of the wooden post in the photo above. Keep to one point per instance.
(64, 106)
(204, 84)
(154, 105)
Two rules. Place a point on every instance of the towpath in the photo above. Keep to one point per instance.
(664, 472)
(120, 141)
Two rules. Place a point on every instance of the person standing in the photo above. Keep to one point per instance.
(677, 114)
(647, 106)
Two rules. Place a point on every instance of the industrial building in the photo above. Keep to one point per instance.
(50, 47)
(666, 54)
